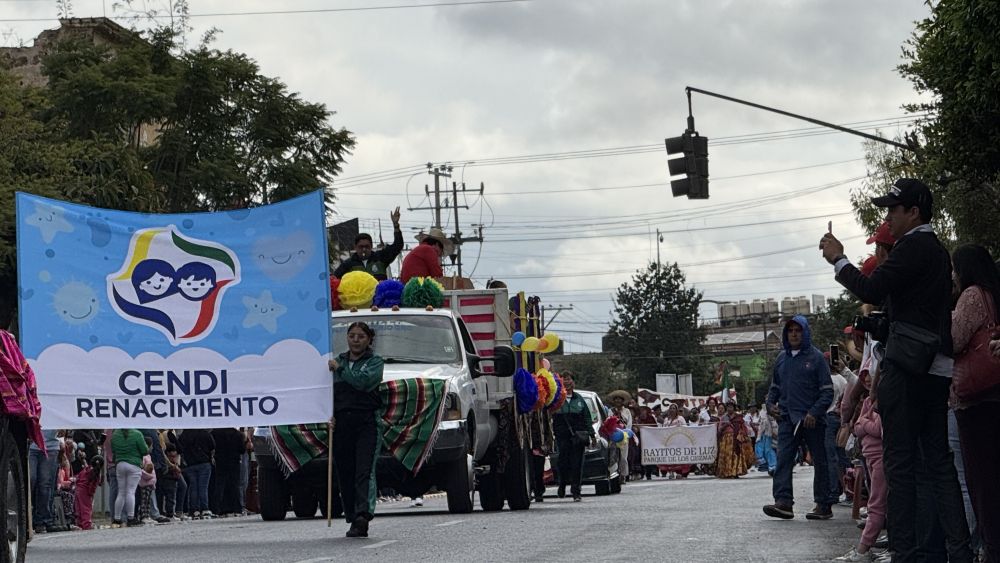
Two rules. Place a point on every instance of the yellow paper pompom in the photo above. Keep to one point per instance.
(357, 290)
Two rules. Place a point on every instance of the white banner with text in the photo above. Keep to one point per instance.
(678, 445)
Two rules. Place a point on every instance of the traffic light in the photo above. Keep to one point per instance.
(694, 165)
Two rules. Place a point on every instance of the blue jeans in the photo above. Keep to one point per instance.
(112, 476)
(956, 448)
(244, 479)
(788, 446)
(833, 457)
(198, 477)
(42, 471)
(182, 497)
(767, 460)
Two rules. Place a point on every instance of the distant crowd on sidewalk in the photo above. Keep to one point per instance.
(149, 476)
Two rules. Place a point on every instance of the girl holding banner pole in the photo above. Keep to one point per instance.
(671, 420)
(357, 374)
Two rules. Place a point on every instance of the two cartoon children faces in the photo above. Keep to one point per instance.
(155, 279)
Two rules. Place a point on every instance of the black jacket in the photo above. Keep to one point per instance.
(914, 284)
(355, 387)
(196, 446)
(378, 262)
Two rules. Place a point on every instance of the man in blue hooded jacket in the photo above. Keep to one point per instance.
(801, 392)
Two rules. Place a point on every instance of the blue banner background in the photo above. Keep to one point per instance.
(66, 253)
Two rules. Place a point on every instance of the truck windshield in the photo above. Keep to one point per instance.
(417, 339)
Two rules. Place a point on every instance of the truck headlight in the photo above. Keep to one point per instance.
(452, 407)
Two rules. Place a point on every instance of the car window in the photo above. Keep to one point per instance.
(426, 339)
(470, 346)
(591, 401)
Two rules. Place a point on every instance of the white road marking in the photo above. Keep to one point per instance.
(451, 523)
(380, 544)
(317, 560)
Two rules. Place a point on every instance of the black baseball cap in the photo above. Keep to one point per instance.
(907, 192)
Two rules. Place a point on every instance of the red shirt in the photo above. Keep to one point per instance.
(422, 261)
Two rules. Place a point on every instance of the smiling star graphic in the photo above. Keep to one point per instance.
(263, 311)
(50, 221)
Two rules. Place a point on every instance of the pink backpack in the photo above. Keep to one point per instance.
(17, 386)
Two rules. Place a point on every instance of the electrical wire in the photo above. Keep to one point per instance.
(311, 11)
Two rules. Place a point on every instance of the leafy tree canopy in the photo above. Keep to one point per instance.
(656, 328)
(141, 125)
(953, 56)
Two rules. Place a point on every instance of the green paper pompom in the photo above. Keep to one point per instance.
(421, 292)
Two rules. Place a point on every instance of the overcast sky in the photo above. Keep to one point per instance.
(467, 84)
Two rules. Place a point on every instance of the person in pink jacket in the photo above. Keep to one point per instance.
(868, 429)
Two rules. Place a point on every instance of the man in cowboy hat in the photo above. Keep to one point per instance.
(425, 259)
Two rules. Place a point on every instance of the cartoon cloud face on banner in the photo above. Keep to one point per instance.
(173, 283)
(183, 320)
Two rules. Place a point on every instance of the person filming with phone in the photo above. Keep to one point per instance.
(914, 285)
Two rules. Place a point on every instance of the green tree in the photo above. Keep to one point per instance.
(952, 57)
(655, 328)
(142, 126)
(591, 372)
(828, 326)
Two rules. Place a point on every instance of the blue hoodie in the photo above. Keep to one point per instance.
(801, 384)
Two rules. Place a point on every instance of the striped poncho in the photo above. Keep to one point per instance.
(409, 418)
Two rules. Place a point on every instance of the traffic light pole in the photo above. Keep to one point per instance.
(841, 128)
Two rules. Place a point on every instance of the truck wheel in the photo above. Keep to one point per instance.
(603, 487)
(616, 486)
(14, 524)
(517, 479)
(459, 485)
(272, 491)
(490, 492)
(304, 502)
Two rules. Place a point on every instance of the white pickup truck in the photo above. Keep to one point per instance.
(477, 447)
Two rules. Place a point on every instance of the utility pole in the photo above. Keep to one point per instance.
(444, 171)
(659, 239)
(558, 309)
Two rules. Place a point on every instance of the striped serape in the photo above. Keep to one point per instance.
(410, 415)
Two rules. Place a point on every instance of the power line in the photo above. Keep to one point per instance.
(355, 181)
(310, 11)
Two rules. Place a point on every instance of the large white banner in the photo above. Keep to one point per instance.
(679, 445)
(199, 320)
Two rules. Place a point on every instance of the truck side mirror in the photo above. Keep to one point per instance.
(503, 361)
(475, 365)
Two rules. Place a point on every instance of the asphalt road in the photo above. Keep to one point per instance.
(699, 519)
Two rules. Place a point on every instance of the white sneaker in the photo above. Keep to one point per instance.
(417, 502)
(207, 514)
(853, 555)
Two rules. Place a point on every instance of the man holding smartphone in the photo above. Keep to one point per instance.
(915, 285)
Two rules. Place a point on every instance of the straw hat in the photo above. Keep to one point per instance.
(625, 395)
(438, 235)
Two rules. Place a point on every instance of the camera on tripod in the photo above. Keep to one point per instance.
(875, 323)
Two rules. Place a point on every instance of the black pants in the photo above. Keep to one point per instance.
(166, 496)
(570, 465)
(537, 475)
(914, 410)
(355, 449)
(225, 497)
